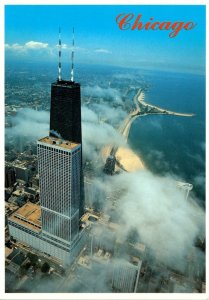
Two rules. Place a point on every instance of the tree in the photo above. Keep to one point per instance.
(22, 271)
(33, 258)
(45, 267)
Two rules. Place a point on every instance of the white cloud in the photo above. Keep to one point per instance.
(29, 123)
(106, 93)
(156, 208)
(31, 45)
(15, 47)
(153, 205)
(105, 135)
(101, 50)
(70, 48)
(35, 45)
(64, 46)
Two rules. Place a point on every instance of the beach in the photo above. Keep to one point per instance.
(127, 158)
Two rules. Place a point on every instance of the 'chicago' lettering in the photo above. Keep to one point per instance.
(129, 22)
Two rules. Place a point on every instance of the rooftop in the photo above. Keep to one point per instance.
(66, 83)
(59, 142)
(28, 216)
(8, 251)
(89, 217)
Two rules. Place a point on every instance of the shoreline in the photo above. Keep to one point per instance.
(127, 157)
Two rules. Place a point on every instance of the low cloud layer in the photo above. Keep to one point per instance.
(152, 205)
(166, 223)
(99, 92)
(33, 125)
(112, 115)
(29, 123)
(96, 135)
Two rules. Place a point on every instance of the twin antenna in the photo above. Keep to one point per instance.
(72, 58)
(60, 53)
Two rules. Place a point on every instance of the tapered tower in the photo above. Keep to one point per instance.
(65, 113)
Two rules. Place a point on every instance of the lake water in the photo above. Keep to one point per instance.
(173, 144)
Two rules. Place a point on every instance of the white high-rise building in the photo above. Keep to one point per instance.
(59, 171)
(124, 276)
(53, 226)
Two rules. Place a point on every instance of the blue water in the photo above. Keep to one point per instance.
(172, 144)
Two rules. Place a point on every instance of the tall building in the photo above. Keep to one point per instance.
(65, 118)
(124, 276)
(59, 171)
(10, 177)
(22, 172)
(53, 227)
(65, 113)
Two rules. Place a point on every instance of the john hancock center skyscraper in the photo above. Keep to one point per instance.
(54, 226)
(65, 113)
(61, 186)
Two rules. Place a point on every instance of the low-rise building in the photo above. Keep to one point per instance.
(25, 226)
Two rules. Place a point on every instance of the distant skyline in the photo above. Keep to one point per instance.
(31, 34)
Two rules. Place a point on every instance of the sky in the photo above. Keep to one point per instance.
(31, 34)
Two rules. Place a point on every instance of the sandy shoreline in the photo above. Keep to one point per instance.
(130, 161)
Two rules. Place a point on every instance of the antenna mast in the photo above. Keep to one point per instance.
(72, 58)
(60, 53)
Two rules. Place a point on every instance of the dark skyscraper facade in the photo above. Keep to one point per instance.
(65, 115)
(10, 177)
(65, 118)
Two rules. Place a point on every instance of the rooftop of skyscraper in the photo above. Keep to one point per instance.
(67, 83)
(59, 142)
